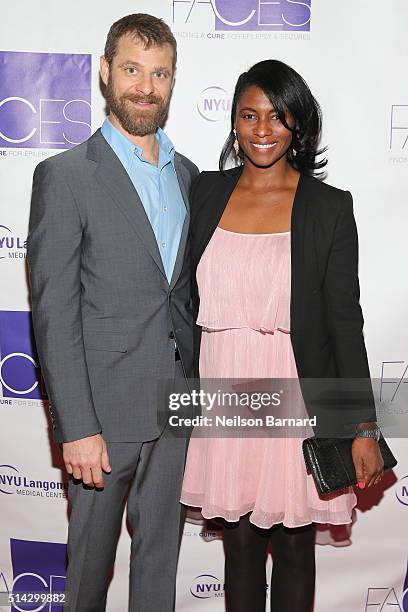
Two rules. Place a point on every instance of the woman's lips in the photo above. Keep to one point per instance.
(264, 146)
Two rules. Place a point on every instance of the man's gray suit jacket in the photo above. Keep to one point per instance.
(105, 316)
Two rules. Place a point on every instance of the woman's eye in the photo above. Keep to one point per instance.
(249, 116)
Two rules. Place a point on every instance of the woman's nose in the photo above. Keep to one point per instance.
(263, 128)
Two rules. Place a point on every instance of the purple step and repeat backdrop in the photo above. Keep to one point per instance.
(353, 54)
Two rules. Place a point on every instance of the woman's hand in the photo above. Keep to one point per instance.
(368, 461)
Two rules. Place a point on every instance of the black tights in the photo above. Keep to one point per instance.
(293, 573)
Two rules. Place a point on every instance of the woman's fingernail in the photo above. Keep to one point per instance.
(361, 484)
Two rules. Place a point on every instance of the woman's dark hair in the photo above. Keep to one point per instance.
(288, 92)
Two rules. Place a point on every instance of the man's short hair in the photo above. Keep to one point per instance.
(150, 30)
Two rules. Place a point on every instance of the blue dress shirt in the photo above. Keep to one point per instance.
(157, 187)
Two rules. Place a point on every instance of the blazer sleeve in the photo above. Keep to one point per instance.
(342, 297)
(54, 260)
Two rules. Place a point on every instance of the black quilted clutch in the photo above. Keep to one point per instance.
(330, 462)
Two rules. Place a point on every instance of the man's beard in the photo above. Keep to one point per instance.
(134, 121)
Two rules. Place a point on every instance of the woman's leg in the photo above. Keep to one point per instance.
(293, 573)
(245, 558)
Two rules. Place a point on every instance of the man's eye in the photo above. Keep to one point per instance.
(161, 75)
(131, 70)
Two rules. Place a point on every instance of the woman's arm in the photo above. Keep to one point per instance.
(345, 320)
(344, 315)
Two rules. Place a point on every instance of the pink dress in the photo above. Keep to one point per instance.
(244, 287)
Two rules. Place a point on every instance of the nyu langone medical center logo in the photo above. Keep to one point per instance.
(19, 368)
(12, 246)
(38, 567)
(401, 492)
(245, 15)
(12, 481)
(45, 99)
(206, 586)
(214, 104)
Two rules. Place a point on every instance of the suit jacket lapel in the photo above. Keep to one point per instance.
(183, 177)
(113, 176)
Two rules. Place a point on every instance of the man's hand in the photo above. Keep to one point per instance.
(86, 458)
(368, 461)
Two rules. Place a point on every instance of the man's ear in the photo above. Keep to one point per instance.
(104, 69)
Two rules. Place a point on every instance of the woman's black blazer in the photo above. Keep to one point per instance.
(326, 320)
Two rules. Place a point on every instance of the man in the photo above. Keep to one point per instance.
(112, 316)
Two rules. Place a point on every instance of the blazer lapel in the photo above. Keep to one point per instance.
(298, 226)
(113, 176)
(223, 195)
(183, 177)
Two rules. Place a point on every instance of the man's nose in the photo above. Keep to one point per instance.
(145, 84)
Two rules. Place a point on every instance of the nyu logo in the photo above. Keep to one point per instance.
(402, 493)
(399, 126)
(19, 371)
(11, 481)
(247, 15)
(38, 567)
(8, 475)
(206, 586)
(45, 99)
(11, 245)
(214, 104)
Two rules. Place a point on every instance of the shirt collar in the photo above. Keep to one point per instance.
(126, 150)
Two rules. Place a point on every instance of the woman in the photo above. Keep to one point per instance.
(276, 296)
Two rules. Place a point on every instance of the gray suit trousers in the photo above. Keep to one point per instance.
(149, 475)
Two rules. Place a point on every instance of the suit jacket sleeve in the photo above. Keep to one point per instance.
(345, 318)
(54, 258)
